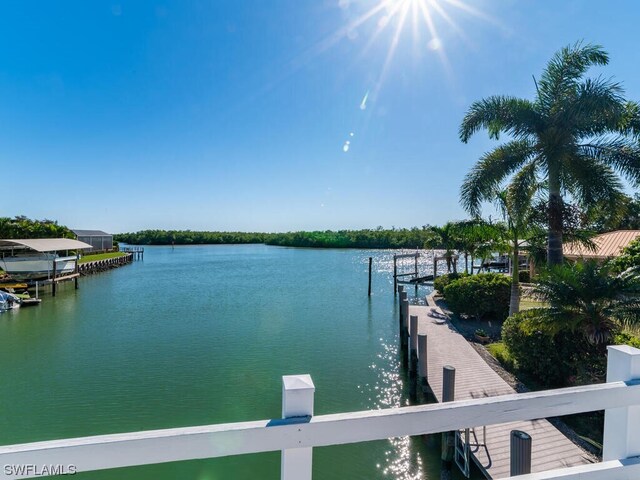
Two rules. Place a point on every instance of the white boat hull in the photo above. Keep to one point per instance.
(32, 267)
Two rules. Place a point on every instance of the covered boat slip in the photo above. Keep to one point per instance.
(43, 244)
(35, 259)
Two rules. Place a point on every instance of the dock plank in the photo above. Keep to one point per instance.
(551, 449)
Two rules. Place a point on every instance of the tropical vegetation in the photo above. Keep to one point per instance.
(479, 296)
(587, 299)
(23, 227)
(576, 138)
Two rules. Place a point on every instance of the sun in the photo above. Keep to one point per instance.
(426, 18)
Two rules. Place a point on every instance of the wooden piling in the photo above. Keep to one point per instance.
(395, 274)
(448, 438)
(53, 278)
(405, 312)
(370, 266)
(412, 358)
(520, 453)
(77, 270)
(422, 358)
(403, 327)
(413, 344)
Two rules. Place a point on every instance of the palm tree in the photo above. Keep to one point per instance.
(577, 135)
(515, 206)
(475, 238)
(588, 299)
(447, 238)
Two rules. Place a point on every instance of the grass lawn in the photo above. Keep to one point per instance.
(101, 256)
(527, 303)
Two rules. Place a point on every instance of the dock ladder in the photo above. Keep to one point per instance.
(463, 448)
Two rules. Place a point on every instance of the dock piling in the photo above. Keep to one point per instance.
(370, 266)
(422, 357)
(404, 335)
(413, 344)
(405, 311)
(448, 383)
(395, 274)
(400, 290)
(448, 438)
(77, 270)
(520, 453)
(53, 279)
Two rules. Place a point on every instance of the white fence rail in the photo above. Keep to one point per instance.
(300, 431)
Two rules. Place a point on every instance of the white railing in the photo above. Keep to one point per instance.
(299, 431)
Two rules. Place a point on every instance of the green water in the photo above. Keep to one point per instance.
(199, 335)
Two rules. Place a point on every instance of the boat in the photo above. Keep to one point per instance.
(8, 301)
(37, 265)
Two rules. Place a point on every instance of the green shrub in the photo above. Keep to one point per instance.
(479, 295)
(443, 280)
(551, 360)
(628, 258)
(625, 338)
(499, 351)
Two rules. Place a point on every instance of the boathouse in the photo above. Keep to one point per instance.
(100, 241)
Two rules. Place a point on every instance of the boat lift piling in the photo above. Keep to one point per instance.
(370, 267)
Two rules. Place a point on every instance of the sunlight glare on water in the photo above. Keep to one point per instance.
(202, 335)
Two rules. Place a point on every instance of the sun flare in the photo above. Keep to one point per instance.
(425, 18)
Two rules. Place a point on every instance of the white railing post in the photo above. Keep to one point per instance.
(621, 432)
(297, 401)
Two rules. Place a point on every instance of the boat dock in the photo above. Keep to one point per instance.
(413, 277)
(489, 447)
(136, 252)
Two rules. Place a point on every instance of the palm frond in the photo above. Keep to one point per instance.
(564, 71)
(630, 121)
(497, 114)
(483, 181)
(599, 108)
(592, 182)
(621, 153)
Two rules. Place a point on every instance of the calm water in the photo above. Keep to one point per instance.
(199, 335)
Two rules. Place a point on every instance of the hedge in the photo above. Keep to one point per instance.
(443, 280)
(479, 295)
(551, 360)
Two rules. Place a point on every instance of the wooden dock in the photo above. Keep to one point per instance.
(474, 378)
(136, 252)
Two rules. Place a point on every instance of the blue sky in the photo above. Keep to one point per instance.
(233, 115)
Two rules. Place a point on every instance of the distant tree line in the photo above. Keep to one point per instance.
(189, 237)
(23, 227)
(367, 238)
(597, 219)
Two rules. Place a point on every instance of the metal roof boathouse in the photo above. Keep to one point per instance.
(100, 241)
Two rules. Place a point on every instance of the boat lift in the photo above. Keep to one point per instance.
(414, 277)
(49, 245)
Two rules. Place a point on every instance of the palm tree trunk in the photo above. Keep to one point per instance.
(466, 262)
(514, 301)
(554, 239)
